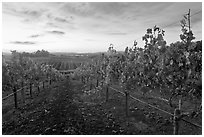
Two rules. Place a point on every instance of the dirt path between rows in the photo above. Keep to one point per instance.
(58, 110)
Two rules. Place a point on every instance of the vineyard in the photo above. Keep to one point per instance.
(64, 62)
(173, 70)
(171, 73)
(22, 71)
(152, 90)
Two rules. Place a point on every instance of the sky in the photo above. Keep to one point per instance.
(91, 26)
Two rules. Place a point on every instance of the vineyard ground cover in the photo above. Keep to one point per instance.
(17, 120)
(58, 110)
(136, 123)
(8, 104)
(67, 109)
(155, 101)
(148, 115)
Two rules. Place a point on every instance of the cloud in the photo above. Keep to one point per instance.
(64, 20)
(56, 32)
(35, 36)
(60, 19)
(50, 24)
(32, 13)
(61, 25)
(77, 8)
(56, 21)
(103, 21)
(23, 42)
(23, 11)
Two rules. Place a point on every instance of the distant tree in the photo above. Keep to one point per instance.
(38, 53)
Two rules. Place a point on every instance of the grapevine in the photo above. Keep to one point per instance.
(24, 70)
(175, 68)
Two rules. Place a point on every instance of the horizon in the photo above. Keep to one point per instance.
(90, 27)
(58, 52)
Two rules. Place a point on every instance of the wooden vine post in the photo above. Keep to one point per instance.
(102, 82)
(180, 103)
(31, 90)
(87, 79)
(22, 92)
(126, 103)
(43, 84)
(107, 93)
(47, 81)
(91, 84)
(97, 81)
(50, 81)
(177, 117)
(38, 87)
(15, 97)
(83, 80)
(177, 114)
